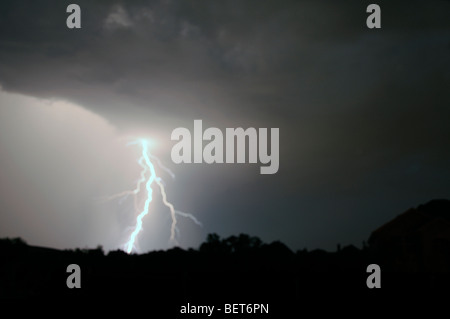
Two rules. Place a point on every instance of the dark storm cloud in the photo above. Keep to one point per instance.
(248, 59)
(242, 52)
(352, 104)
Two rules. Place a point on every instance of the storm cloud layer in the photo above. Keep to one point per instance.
(363, 114)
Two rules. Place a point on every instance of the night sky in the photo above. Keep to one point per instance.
(363, 116)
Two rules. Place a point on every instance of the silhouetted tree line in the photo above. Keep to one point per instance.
(241, 264)
(413, 251)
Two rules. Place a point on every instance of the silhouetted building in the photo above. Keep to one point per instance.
(417, 240)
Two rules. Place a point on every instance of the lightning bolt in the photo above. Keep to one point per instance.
(149, 189)
(146, 163)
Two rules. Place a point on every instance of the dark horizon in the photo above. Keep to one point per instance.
(441, 207)
(244, 273)
(415, 263)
